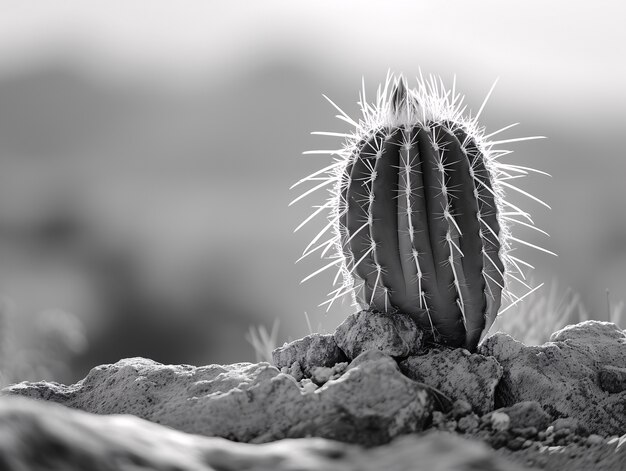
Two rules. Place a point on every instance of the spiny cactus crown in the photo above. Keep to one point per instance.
(418, 220)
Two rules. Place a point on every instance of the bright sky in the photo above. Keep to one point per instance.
(559, 46)
(180, 30)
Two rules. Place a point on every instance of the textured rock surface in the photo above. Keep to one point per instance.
(612, 379)
(521, 438)
(315, 350)
(559, 415)
(526, 414)
(564, 375)
(600, 456)
(457, 374)
(37, 436)
(397, 335)
(371, 403)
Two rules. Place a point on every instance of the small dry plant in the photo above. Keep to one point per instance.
(542, 313)
(263, 341)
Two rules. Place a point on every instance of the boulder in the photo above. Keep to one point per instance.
(40, 436)
(564, 375)
(371, 403)
(458, 374)
(315, 350)
(394, 334)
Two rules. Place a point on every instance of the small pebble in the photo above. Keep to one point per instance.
(438, 419)
(468, 424)
(516, 443)
(451, 425)
(486, 419)
(321, 374)
(562, 433)
(499, 440)
(526, 432)
(339, 369)
(565, 423)
(308, 386)
(500, 421)
(460, 409)
(295, 370)
(594, 439)
(563, 441)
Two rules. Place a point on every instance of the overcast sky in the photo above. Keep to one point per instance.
(533, 41)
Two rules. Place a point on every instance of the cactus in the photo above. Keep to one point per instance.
(417, 215)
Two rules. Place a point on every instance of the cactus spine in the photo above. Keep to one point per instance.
(418, 216)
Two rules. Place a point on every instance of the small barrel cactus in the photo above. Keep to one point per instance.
(418, 219)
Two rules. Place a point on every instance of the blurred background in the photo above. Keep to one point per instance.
(147, 149)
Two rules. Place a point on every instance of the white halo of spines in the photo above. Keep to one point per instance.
(429, 101)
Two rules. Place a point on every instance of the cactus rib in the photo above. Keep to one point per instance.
(417, 210)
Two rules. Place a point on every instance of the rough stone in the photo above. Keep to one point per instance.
(525, 432)
(594, 439)
(468, 423)
(458, 374)
(294, 370)
(396, 334)
(516, 443)
(371, 403)
(39, 436)
(566, 423)
(612, 379)
(309, 352)
(500, 421)
(526, 414)
(322, 374)
(461, 408)
(563, 375)
(595, 454)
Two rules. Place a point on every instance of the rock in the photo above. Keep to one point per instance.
(516, 443)
(468, 423)
(311, 351)
(525, 432)
(563, 375)
(396, 334)
(499, 439)
(39, 436)
(591, 334)
(597, 454)
(438, 420)
(612, 379)
(460, 408)
(526, 414)
(594, 439)
(393, 404)
(500, 421)
(323, 374)
(371, 403)
(566, 423)
(308, 386)
(294, 370)
(458, 374)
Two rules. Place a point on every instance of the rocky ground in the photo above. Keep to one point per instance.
(371, 394)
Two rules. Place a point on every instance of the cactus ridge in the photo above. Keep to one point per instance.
(418, 220)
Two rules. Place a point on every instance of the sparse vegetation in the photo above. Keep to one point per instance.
(57, 337)
(263, 341)
(542, 313)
